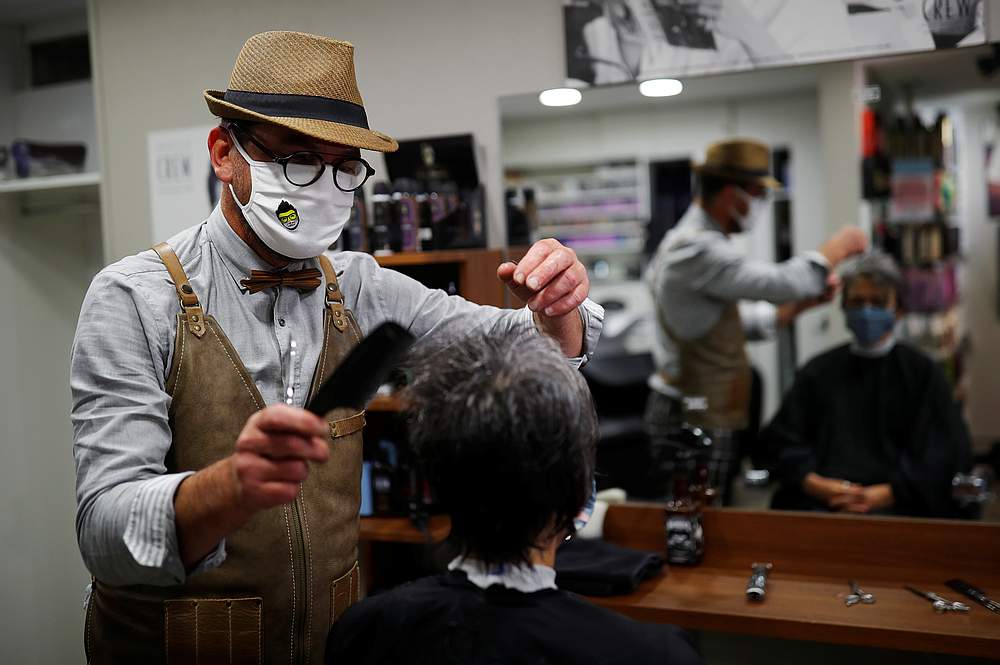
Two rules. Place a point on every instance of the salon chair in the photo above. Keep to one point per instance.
(617, 378)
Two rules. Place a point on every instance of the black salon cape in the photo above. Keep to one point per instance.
(871, 420)
(446, 619)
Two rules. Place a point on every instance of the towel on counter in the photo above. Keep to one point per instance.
(598, 568)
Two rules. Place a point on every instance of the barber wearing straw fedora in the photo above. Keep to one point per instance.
(218, 518)
(710, 299)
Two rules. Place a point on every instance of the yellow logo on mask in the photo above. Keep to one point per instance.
(287, 215)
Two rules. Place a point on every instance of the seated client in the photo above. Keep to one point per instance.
(871, 426)
(505, 431)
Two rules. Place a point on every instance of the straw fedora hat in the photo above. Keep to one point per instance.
(303, 82)
(742, 160)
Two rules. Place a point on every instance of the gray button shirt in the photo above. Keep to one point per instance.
(122, 353)
(696, 272)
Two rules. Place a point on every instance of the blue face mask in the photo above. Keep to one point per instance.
(870, 324)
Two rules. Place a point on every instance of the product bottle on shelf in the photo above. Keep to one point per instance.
(425, 233)
(355, 235)
(407, 212)
(383, 219)
(684, 534)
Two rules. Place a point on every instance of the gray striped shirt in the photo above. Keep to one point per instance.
(122, 354)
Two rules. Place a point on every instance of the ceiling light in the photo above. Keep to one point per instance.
(560, 97)
(661, 87)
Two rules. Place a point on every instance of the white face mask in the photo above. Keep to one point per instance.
(297, 222)
(756, 207)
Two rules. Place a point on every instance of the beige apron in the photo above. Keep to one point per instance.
(291, 570)
(715, 367)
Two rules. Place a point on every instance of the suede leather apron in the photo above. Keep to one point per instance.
(291, 570)
(715, 367)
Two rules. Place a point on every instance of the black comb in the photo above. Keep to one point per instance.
(365, 368)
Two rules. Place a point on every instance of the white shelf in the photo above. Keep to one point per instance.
(50, 182)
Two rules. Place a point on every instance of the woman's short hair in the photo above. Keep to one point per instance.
(876, 266)
(505, 431)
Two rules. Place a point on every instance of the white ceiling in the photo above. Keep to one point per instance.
(24, 11)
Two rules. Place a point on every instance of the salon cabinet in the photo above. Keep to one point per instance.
(813, 557)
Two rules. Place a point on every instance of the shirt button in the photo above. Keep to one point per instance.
(281, 322)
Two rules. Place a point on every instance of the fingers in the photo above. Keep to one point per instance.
(283, 432)
(255, 468)
(276, 494)
(568, 303)
(563, 285)
(284, 418)
(847, 503)
(265, 483)
(549, 278)
(284, 446)
(535, 257)
(554, 265)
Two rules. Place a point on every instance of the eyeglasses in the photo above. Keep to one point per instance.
(303, 168)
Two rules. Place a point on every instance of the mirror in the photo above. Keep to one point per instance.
(611, 175)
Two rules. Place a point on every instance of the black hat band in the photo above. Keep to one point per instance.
(299, 106)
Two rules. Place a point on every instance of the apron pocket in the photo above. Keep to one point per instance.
(344, 592)
(213, 630)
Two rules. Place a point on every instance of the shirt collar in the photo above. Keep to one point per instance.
(524, 578)
(236, 255)
(701, 217)
(880, 350)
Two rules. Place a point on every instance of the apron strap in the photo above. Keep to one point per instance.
(186, 294)
(334, 296)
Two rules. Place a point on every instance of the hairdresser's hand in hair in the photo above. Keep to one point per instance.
(788, 311)
(554, 283)
(844, 244)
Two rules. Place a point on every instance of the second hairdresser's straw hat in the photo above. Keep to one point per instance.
(742, 160)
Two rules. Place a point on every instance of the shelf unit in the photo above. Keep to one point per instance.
(43, 183)
(601, 210)
(474, 270)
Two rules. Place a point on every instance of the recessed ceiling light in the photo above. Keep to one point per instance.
(661, 87)
(560, 97)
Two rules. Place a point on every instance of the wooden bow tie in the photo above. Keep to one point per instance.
(303, 280)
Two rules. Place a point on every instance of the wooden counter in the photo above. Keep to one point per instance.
(813, 555)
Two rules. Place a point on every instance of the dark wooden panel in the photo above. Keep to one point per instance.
(401, 530)
(813, 557)
(809, 544)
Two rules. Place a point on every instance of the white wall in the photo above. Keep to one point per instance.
(46, 262)
(40, 114)
(423, 69)
(981, 246)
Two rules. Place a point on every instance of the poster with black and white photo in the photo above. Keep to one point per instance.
(616, 41)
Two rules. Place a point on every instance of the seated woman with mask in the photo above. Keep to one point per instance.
(505, 431)
(872, 426)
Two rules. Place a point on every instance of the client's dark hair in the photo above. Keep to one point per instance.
(505, 431)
